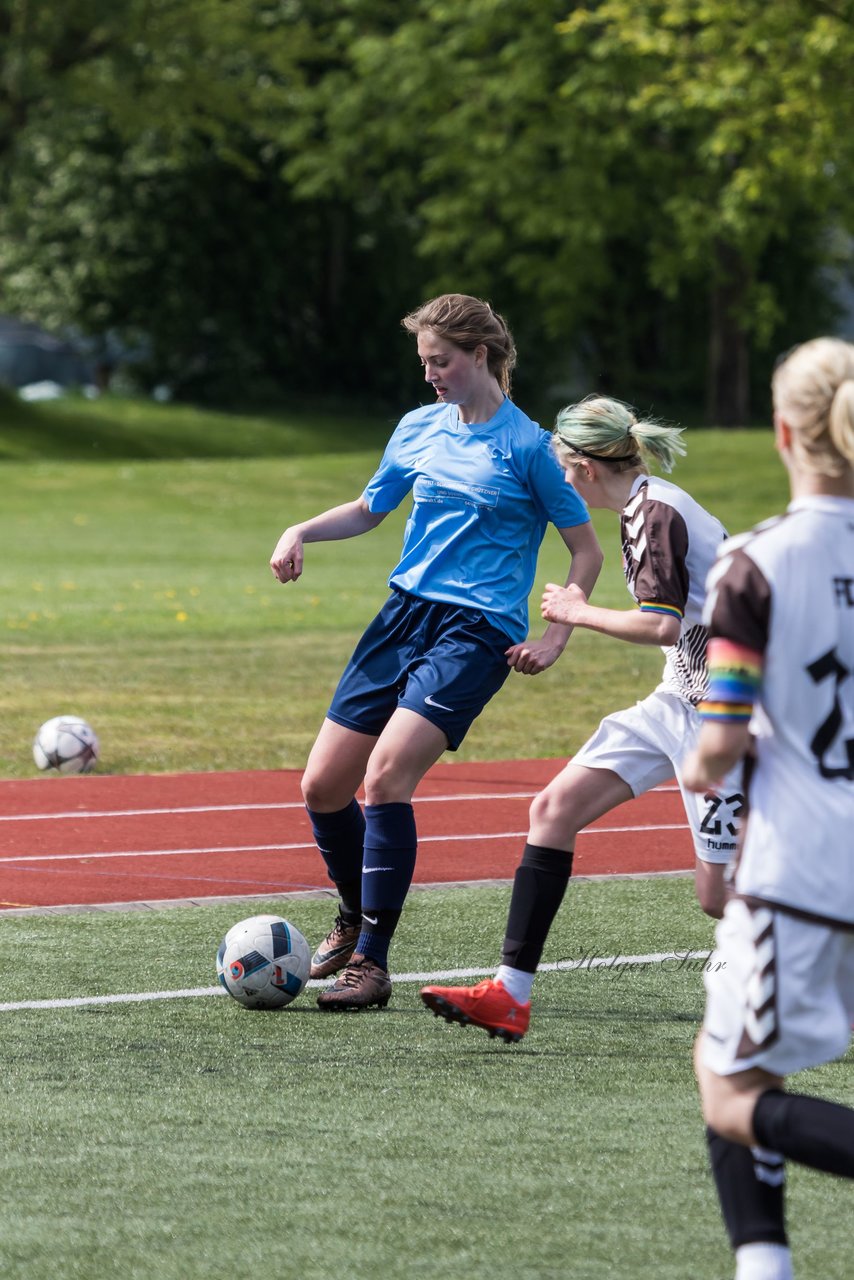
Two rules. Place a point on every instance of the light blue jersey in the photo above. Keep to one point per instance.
(483, 495)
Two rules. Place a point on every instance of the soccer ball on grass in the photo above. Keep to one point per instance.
(263, 962)
(66, 744)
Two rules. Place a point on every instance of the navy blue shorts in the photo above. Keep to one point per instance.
(440, 660)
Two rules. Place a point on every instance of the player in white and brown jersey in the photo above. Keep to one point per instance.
(781, 688)
(669, 545)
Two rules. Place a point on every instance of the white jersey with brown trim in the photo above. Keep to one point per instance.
(786, 592)
(669, 545)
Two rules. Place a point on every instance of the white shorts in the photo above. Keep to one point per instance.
(779, 992)
(645, 745)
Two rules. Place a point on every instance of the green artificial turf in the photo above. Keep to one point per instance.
(175, 1139)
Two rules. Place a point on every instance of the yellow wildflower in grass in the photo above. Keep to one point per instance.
(81, 520)
(181, 616)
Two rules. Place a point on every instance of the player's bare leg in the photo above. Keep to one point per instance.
(729, 1101)
(335, 767)
(570, 802)
(710, 886)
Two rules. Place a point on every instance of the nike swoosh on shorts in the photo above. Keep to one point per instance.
(429, 700)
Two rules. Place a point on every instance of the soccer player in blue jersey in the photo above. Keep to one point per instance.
(484, 485)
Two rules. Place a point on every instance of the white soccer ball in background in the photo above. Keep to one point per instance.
(66, 744)
(263, 962)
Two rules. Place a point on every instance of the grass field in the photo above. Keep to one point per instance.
(135, 588)
(179, 1138)
(175, 1139)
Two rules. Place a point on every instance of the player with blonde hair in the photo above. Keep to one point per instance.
(781, 695)
(484, 487)
(669, 544)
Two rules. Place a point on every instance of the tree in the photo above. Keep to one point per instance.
(265, 187)
(736, 124)
(644, 180)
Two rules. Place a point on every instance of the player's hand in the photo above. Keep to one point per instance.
(563, 604)
(533, 656)
(695, 776)
(286, 560)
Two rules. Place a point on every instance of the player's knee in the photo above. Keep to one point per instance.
(729, 1114)
(312, 793)
(385, 781)
(711, 888)
(321, 794)
(712, 901)
(548, 813)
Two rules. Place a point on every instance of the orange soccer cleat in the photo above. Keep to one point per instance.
(487, 1005)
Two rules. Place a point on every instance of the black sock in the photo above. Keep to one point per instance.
(751, 1188)
(810, 1130)
(538, 888)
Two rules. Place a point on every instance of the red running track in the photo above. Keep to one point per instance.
(186, 837)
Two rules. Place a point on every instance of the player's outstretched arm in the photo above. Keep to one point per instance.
(720, 747)
(346, 521)
(569, 605)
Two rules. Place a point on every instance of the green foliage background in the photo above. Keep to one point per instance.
(250, 194)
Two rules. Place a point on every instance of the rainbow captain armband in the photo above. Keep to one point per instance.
(654, 606)
(735, 674)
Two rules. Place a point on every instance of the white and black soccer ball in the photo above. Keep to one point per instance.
(263, 962)
(66, 744)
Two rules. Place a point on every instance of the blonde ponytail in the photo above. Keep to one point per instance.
(608, 430)
(841, 425)
(813, 390)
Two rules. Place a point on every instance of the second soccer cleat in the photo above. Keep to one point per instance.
(487, 1005)
(362, 984)
(336, 948)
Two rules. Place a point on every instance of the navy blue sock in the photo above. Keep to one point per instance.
(340, 837)
(389, 862)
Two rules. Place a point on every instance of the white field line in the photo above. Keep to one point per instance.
(78, 815)
(282, 848)
(270, 806)
(612, 963)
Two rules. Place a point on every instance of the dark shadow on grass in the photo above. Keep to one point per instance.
(74, 430)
